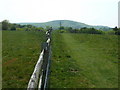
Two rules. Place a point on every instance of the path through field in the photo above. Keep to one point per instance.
(81, 61)
(78, 60)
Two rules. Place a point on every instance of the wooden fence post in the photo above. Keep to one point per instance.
(41, 71)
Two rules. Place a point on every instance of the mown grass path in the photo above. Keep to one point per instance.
(81, 61)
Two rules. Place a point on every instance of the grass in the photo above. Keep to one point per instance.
(0, 59)
(78, 60)
(84, 61)
(20, 53)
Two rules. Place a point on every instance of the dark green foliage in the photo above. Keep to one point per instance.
(117, 30)
(9, 26)
(85, 30)
(90, 31)
(5, 25)
(13, 27)
(69, 29)
(61, 27)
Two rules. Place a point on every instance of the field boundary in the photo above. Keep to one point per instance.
(39, 78)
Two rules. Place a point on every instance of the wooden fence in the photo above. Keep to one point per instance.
(39, 78)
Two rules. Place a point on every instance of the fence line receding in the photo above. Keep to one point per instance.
(39, 77)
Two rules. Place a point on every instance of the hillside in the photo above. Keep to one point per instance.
(66, 23)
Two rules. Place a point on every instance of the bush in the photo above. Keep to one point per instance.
(90, 31)
(62, 31)
(117, 30)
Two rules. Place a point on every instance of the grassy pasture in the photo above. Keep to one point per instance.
(0, 58)
(20, 53)
(84, 61)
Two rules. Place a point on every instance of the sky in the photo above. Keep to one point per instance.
(91, 12)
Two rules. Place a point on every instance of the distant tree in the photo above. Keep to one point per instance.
(5, 25)
(75, 30)
(29, 26)
(90, 31)
(84, 28)
(69, 28)
(118, 33)
(12, 27)
(117, 30)
(61, 28)
(20, 26)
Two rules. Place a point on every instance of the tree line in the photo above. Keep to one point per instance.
(6, 25)
(86, 30)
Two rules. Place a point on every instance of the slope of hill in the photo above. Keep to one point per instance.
(66, 23)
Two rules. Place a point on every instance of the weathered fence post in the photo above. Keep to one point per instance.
(40, 76)
(46, 62)
(33, 82)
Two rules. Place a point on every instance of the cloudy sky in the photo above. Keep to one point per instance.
(92, 12)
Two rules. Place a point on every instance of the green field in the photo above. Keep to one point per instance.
(20, 53)
(0, 58)
(84, 61)
(78, 60)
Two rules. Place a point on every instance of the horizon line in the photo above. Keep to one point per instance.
(62, 20)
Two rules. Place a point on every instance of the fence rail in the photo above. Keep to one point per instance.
(39, 78)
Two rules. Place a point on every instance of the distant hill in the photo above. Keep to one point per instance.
(66, 23)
